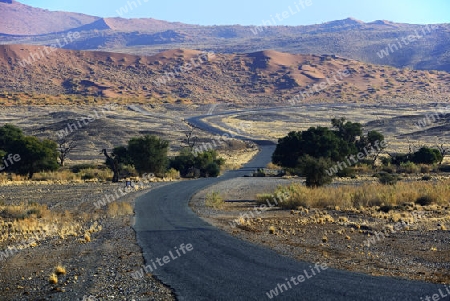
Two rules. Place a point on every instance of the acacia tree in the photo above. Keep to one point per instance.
(35, 155)
(148, 154)
(312, 152)
(64, 148)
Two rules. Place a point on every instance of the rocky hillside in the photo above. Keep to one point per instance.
(379, 42)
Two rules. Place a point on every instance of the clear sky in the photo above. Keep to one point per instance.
(253, 12)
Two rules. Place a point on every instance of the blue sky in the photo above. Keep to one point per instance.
(253, 12)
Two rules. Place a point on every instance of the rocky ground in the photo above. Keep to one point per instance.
(352, 239)
(98, 267)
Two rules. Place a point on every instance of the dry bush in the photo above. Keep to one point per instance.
(53, 279)
(119, 209)
(63, 175)
(97, 174)
(367, 195)
(213, 199)
(126, 208)
(60, 270)
(113, 209)
(173, 174)
(37, 222)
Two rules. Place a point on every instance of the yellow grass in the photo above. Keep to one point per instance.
(119, 209)
(213, 199)
(366, 195)
(53, 279)
(60, 270)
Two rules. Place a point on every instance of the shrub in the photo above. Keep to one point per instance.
(60, 270)
(173, 174)
(316, 171)
(212, 170)
(53, 279)
(425, 168)
(388, 169)
(445, 168)
(259, 173)
(78, 167)
(346, 173)
(425, 200)
(388, 179)
(426, 155)
(213, 199)
(408, 167)
(426, 178)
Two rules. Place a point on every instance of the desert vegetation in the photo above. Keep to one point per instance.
(413, 194)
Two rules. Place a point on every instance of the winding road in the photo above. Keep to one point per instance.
(221, 267)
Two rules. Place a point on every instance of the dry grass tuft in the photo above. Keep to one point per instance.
(119, 209)
(60, 270)
(87, 237)
(53, 279)
(213, 199)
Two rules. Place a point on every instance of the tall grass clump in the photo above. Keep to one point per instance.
(213, 199)
(361, 196)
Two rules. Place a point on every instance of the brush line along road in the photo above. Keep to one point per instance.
(221, 267)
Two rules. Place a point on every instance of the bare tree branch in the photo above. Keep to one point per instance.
(64, 148)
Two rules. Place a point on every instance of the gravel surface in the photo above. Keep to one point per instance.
(99, 269)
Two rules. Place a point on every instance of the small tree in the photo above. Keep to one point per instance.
(315, 171)
(148, 154)
(113, 162)
(64, 148)
(426, 155)
(35, 155)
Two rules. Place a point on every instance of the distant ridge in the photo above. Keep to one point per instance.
(190, 75)
(374, 42)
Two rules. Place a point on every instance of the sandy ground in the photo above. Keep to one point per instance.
(419, 251)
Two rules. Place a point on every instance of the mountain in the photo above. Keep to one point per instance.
(20, 19)
(380, 42)
(190, 75)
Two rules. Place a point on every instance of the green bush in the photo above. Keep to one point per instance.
(444, 168)
(213, 199)
(316, 171)
(259, 173)
(78, 167)
(205, 164)
(408, 167)
(425, 200)
(388, 179)
(426, 155)
(426, 178)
